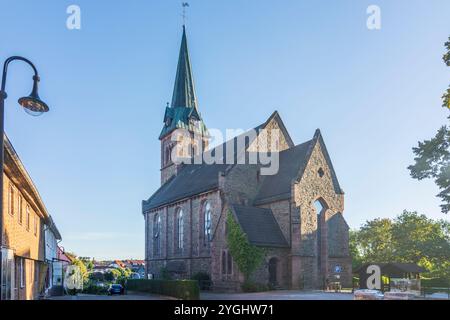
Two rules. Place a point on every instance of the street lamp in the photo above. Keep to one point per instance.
(33, 105)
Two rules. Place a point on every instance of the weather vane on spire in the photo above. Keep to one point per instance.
(184, 5)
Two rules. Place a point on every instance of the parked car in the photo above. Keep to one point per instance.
(366, 294)
(116, 289)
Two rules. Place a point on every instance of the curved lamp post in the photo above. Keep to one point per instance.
(33, 105)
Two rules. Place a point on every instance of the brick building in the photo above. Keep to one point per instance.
(27, 253)
(296, 213)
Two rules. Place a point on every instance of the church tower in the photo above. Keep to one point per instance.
(184, 134)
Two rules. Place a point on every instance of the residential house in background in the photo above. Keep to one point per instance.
(25, 221)
(137, 267)
(117, 264)
(60, 265)
(52, 237)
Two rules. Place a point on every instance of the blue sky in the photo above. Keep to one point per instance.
(95, 156)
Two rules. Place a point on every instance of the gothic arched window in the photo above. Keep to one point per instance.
(207, 215)
(321, 207)
(180, 229)
(227, 263)
(224, 262)
(157, 234)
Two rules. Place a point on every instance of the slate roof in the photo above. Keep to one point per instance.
(193, 179)
(198, 178)
(260, 226)
(396, 267)
(278, 186)
(292, 164)
(393, 268)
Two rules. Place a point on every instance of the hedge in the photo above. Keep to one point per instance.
(182, 289)
(435, 282)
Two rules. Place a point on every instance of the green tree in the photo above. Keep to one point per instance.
(410, 237)
(354, 249)
(375, 241)
(112, 275)
(96, 276)
(83, 270)
(432, 157)
(90, 265)
(125, 274)
(247, 256)
(423, 241)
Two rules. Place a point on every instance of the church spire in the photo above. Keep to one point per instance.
(183, 112)
(184, 91)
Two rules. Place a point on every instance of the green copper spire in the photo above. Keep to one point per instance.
(183, 111)
(183, 91)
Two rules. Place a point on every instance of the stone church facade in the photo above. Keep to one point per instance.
(296, 214)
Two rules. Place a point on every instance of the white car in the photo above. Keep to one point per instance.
(367, 294)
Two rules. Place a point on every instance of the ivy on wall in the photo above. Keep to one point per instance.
(247, 256)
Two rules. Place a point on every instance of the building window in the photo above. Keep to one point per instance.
(28, 218)
(157, 234)
(321, 172)
(180, 229)
(21, 273)
(224, 262)
(19, 209)
(168, 154)
(227, 263)
(11, 200)
(180, 146)
(36, 273)
(167, 158)
(35, 224)
(207, 223)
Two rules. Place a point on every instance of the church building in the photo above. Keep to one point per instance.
(295, 214)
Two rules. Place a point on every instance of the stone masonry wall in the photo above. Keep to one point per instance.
(311, 188)
(264, 141)
(282, 213)
(196, 253)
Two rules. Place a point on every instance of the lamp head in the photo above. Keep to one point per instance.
(32, 104)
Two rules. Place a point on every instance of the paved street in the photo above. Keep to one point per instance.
(278, 295)
(270, 295)
(129, 296)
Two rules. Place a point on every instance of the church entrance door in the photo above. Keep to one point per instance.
(273, 271)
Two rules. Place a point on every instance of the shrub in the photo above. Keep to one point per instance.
(182, 289)
(92, 288)
(249, 286)
(165, 274)
(204, 280)
(435, 283)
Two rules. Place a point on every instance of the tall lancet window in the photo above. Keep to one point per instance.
(207, 223)
(180, 230)
(157, 234)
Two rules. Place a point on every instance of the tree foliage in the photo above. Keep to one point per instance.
(432, 157)
(410, 237)
(374, 241)
(83, 270)
(247, 256)
(112, 275)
